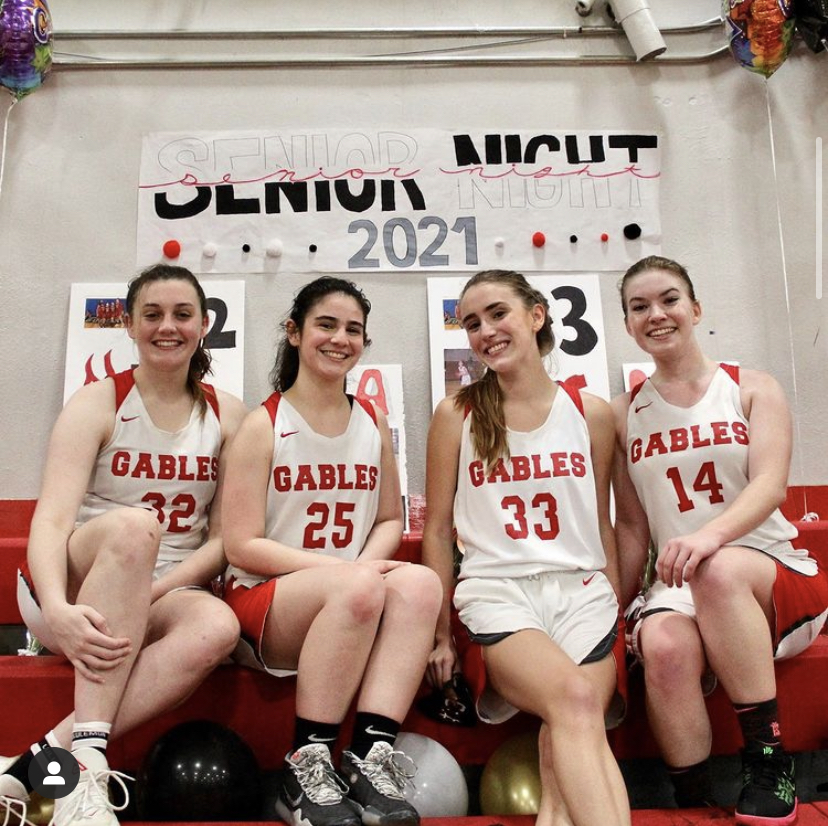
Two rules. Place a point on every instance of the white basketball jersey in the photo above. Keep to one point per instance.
(323, 491)
(171, 474)
(537, 510)
(688, 464)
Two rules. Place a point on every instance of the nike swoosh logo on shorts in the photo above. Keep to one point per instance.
(289, 433)
(588, 579)
(642, 406)
(129, 418)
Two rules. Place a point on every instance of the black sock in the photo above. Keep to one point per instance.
(372, 728)
(312, 731)
(20, 769)
(760, 725)
(693, 785)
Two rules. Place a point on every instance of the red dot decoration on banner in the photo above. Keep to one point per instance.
(172, 249)
(604, 237)
(538, 239)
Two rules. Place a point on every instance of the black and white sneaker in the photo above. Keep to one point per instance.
(312, 793)
(768, 795)
(376, 784)
(13, 796)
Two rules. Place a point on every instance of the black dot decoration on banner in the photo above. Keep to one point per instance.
(632, 231)
(245, 248)
(312, 248)
(573, 239)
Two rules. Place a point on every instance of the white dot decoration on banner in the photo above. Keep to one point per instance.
(210, 250)
(274, 248)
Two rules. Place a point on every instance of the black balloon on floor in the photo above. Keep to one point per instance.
(199, 771)
(812, 22)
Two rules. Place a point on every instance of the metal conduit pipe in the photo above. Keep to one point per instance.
(64, 62)
(375, 33)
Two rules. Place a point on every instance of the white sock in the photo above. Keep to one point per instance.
(90, 735)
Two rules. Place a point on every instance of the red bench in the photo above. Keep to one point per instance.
(260, 708)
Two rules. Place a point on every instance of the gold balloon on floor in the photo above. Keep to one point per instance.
(510, 784)
(39, 810)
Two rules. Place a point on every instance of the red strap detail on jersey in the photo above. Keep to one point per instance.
(636, 390)
(732, 370)
(124, 382)
(368, 408)
(211, 397)
(574, 393)
(271, 404)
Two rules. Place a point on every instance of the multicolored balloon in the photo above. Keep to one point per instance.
(25, 45)
(761, 32)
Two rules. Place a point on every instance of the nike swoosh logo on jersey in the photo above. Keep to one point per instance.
(129, 418)
(637, 408)
(588, 579)
(289, 433)
(374, 732)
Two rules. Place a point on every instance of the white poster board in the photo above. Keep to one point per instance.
(97, 343)
(577, 321)
(382, 384)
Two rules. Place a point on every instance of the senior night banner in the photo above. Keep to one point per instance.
(432, 200)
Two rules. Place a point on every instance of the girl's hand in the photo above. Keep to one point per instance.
(680, 557)
(384, 566)
(442, 663)
(85, 640)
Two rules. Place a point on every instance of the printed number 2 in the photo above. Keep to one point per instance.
(183, 507)
(548, 528)
(705, 482)
(321, 513)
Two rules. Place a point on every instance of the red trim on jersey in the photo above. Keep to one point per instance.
(636, 390)
(368, 408)
(124, 382)
(211, 397)
(574, 393)
(271, 404)
(732, 370)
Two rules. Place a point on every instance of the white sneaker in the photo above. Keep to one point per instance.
(89, 803)
(13, 796)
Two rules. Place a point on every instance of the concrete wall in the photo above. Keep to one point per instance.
(68, 206)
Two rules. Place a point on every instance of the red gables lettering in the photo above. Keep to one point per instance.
(164, 466)
(536, 466)
(325, 477)
(683, 438)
